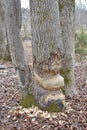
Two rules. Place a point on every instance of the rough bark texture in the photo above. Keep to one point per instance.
(46, 39)
(13, 24)
(7, 55)
(67, 20)
(2, 33)
(4, 48)
(45, 28)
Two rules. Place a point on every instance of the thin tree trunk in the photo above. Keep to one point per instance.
(12, 10)
(46, 39)
(7, 55)
(2, 33)
(67, 20)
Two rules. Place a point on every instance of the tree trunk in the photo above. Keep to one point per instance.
(2, 33)
(46, 39)
(67, 20)
(12, 10)
(7, 55)
(4, 48)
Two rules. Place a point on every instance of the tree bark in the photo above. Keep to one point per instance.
(2, 33)
(46, 39)
(4, 48)
(67, 21)
(12, 9)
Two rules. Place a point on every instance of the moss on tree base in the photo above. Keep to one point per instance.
(29, 101)
(66, 74)
(53, 108)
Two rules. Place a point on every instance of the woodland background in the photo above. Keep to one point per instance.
(13, 116)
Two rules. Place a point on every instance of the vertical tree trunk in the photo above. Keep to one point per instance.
(2, 33)
(45, 28)
(7, 55)
(12, 10)
(46, 39)
(67, 20)
(4, 48)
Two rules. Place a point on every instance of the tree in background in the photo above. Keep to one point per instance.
(12, 10)
(67, 21)
(4, 50)
(26, 27)
(80, 15)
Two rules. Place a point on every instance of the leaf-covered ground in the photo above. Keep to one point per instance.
(13, 117)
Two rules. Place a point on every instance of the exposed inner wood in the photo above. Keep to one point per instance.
(47, 73)
(55, 97)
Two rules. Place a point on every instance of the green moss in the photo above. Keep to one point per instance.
(63, 91)
(65, 73)
(67, 80)
(0, 56)
(28, 101)
(61, 6)
(54, 108)
(67, 70)
(6, 56)
(73, 3)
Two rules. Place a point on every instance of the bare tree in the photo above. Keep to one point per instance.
(2, 33)
(67, 20)
(26, 27)
(12, 9)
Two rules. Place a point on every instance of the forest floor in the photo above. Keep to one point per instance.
(13, 117)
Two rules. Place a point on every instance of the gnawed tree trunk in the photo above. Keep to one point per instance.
(46, 39)
(12, 10)
(67, 20)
